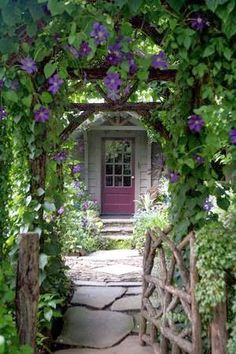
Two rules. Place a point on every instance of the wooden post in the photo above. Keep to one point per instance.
(218, 329)
(196, 320)
(27, 288)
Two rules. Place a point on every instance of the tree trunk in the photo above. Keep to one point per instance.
(27, 289)
(218, 329)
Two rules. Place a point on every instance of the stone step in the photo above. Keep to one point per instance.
(119, 237)
(115, 230)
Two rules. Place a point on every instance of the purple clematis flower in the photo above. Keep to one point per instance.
(77, 184)
(28, 65)
(3, 113)
(115, 55)
(113, 95)
(208, 205)
(159, 61)
(199, 159)
(15, 85)
(99, 33)
(173, 176)
(232, 135)
(84, 49)
(55, 84)
(112, 81)
(60, 156)
(76, 168)
(195, 123)
(41, 114)
(132, 64)
(198, 21)
(60, 211)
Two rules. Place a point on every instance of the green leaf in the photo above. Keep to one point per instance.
(28, 200)
(213, 4)
(11, 96)
(49, 206)
(134, 5)
(48, 315)
(46, 97)
(56, 7)
(223, 203)
(40, 191)
(3, 3)
(176, 4)
(209, 50)
(49, 69)
(27, 100)
(43, 261)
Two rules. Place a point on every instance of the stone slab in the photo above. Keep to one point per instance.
(129, 346)
(134, 290)
(114, 254)
(120, 269)
(125, 283)
(129, 303)
(94, 329)
(97, 297)
(89, 283)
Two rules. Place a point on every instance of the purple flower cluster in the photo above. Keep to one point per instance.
(55, 83)
(28, 65)
(76, 168)
(60, 156)
(195, 123)
(41, 114)
(84, 49)
(99, 33)
(208, 205)
(159, 61)
(199, 159)
(3, 113)
(232, 135)
(198, 21)
(173, 176)
(113, 82)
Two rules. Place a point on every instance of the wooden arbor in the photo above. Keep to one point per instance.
(175, 323)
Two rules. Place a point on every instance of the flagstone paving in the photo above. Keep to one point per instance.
(105, 308)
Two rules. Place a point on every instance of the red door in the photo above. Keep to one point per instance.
(118, 177)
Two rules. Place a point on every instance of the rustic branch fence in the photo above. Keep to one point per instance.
(175, 324)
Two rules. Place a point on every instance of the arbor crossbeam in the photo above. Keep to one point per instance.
(116, 106)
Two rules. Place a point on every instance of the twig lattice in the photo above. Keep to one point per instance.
(169, 333)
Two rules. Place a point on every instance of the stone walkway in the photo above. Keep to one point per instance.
(103, 316)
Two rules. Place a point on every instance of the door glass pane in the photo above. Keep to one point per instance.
(127, 158)
(109, 181)
(109, 169)
(118, 169)
(118, 157)
(118, 181)
(127, 170)
(127, 181)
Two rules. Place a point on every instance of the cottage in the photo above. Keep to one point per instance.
(120, 162)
